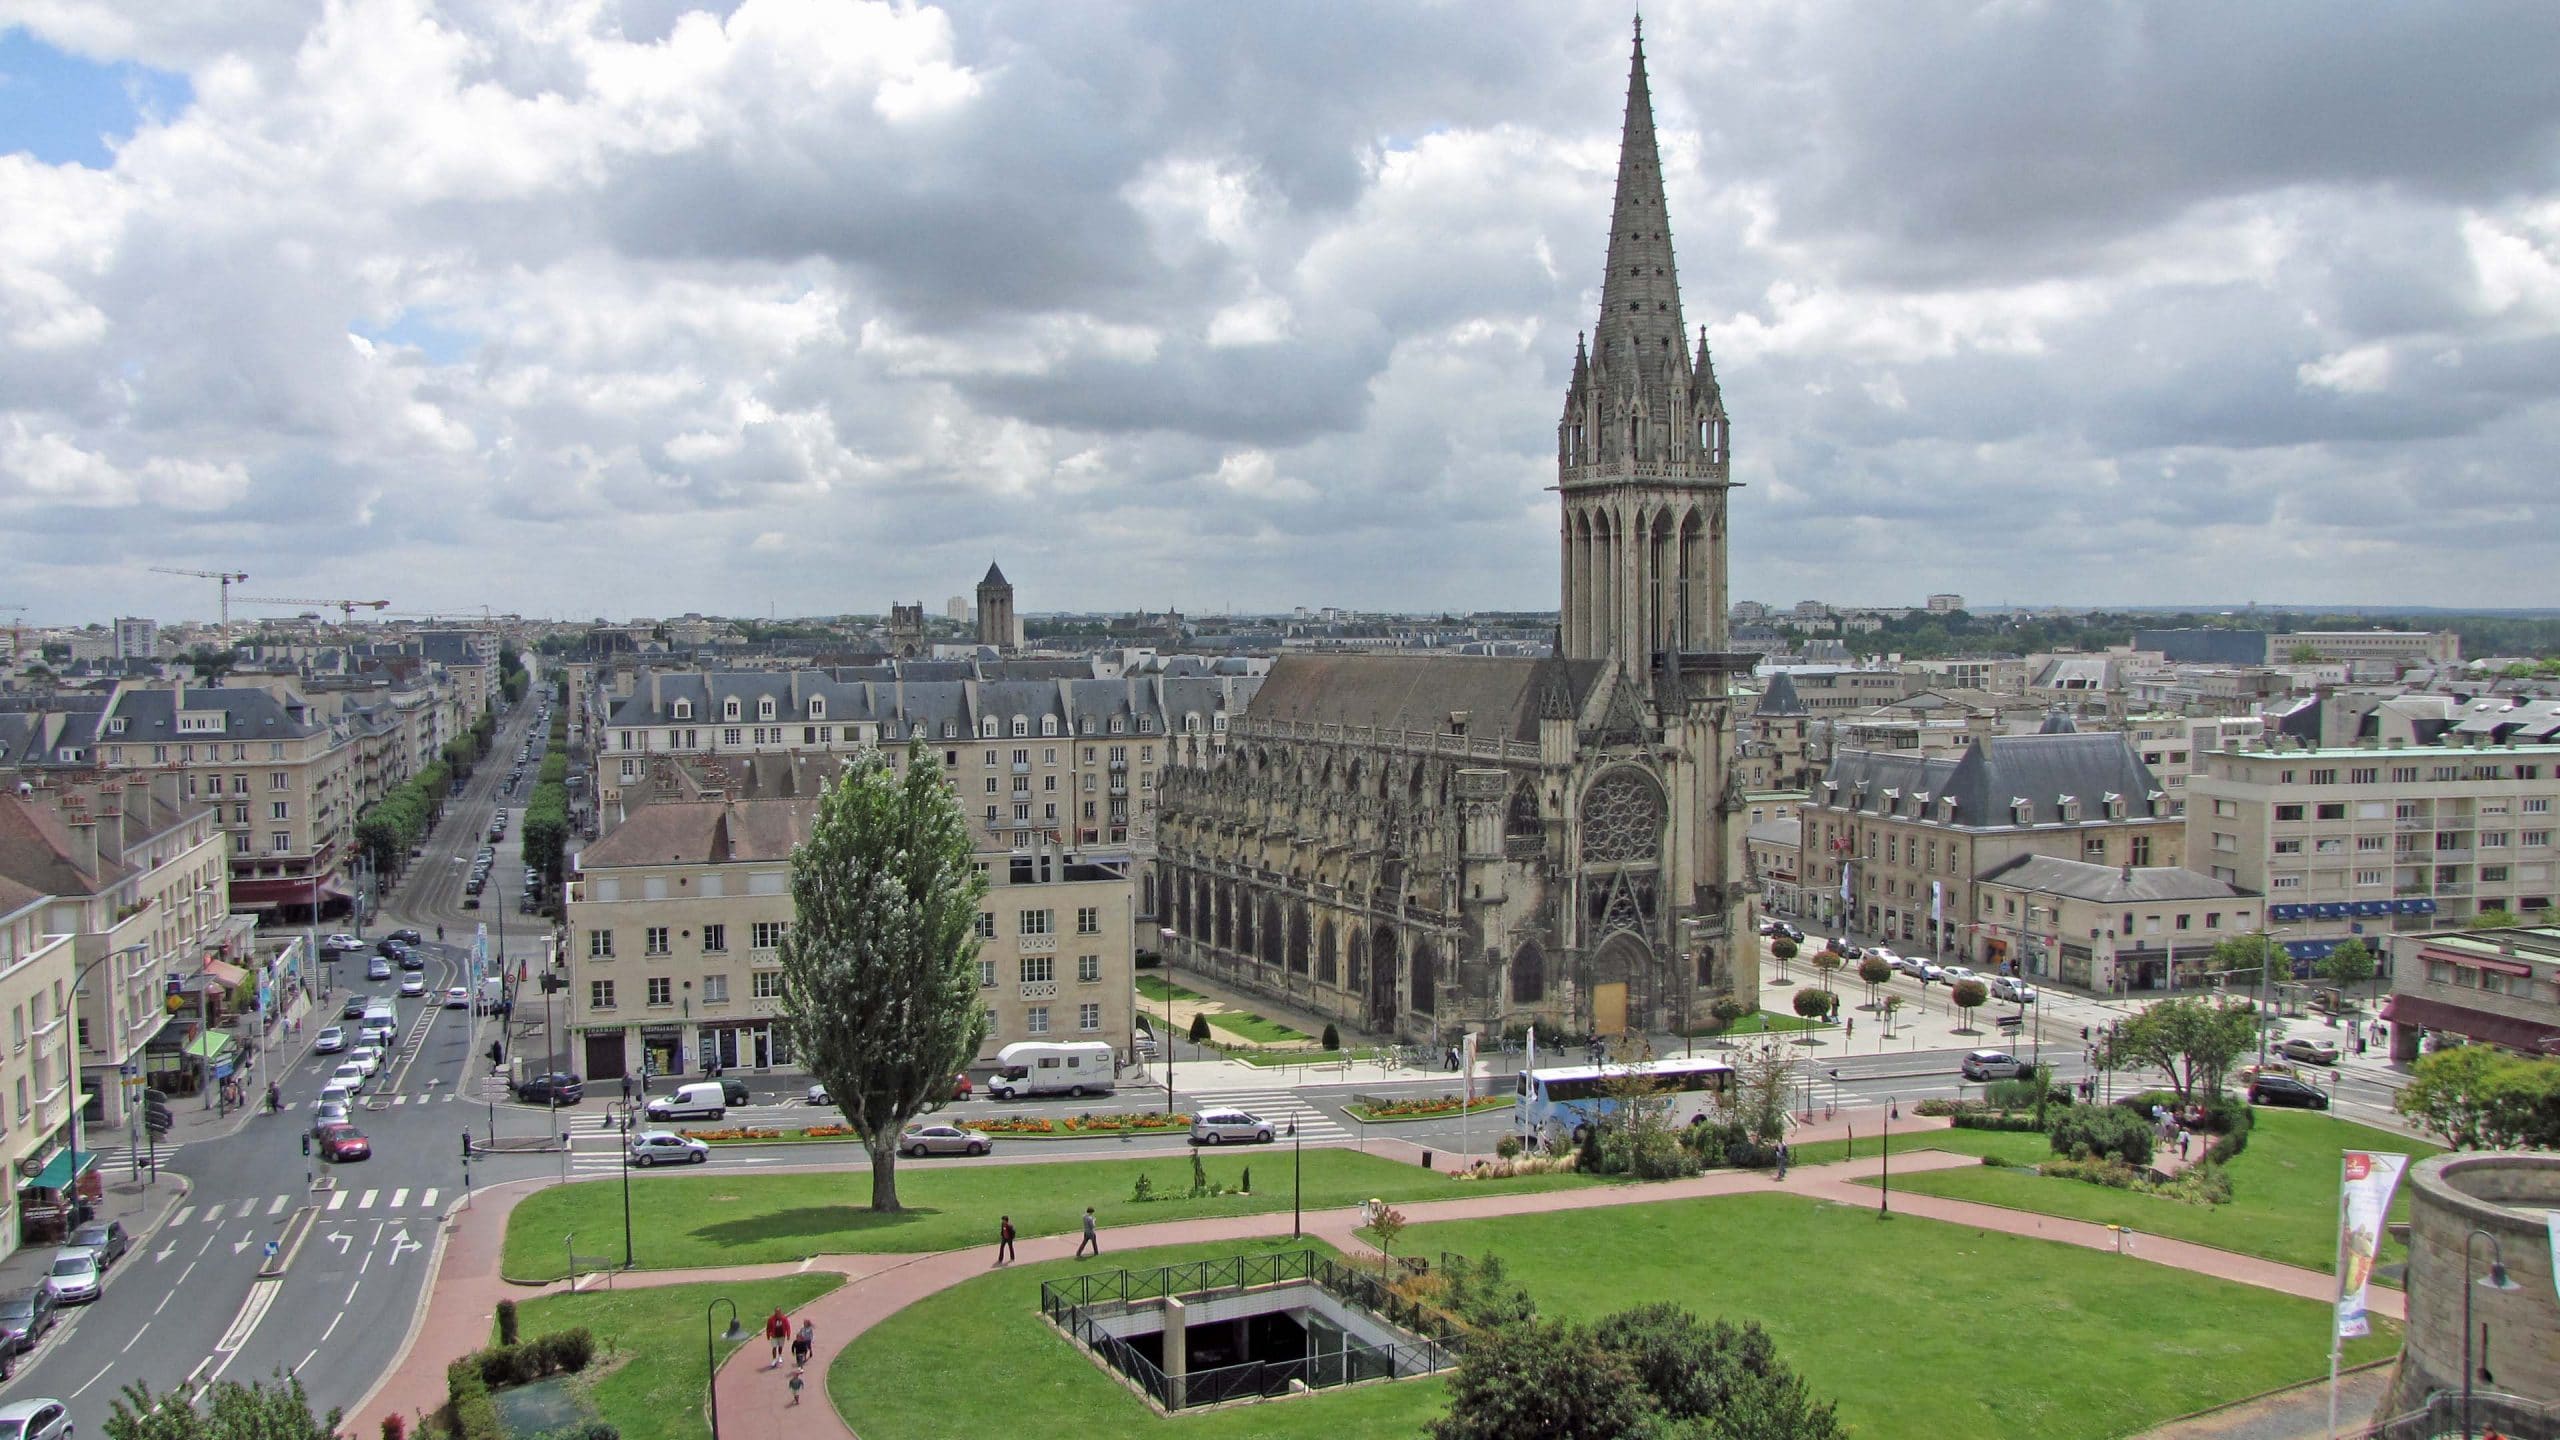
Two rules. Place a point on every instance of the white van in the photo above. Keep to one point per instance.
(1037, 1067)
(701, 1100)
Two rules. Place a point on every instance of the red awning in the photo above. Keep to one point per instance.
(2501, 1030)
(2477, 962)
(263, 894)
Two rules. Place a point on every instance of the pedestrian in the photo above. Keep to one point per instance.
(1782, 1159)
(1853, 1027)
(796, 1383)
(439, 934)
(1453, 1057)
(804, 1343)
(1092, 1239)
(2183, 1136)
(777, 1333)
(1004, 1240)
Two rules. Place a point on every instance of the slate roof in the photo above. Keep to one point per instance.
(1788, 833)
(2111, 885)
(995, 576)
(1499, 694)
(2501, 717)
(149, 715)
(697, 832)
(15, 897)
(36, 851)
(1780, 698)
(944, 699)
(1986, 779)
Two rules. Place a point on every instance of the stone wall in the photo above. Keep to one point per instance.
(2450, 1197)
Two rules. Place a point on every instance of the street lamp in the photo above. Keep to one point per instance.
(1892, 1112)
(1297, 1176)
(2496, 1283)
(711, 1353)
(628, 1263)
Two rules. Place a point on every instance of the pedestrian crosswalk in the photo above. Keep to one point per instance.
(349, 1200)
(112, 1158)
(1281, 1108)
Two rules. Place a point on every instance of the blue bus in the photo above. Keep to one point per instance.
(1554, 1107)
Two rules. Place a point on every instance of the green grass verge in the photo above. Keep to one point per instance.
(738, 1217)
(2127, 1344)
(1257, 1029)
(1274, 1059)
(657, 1387)
(2284, 1192)
(2015, 1147)
(1770, 1022)
(1164, 992)
(973, 1359)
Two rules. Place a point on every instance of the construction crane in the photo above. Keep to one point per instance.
(17, 635)
(228, 578)
(345, 608)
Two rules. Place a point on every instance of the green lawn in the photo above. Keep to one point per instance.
(1770, 1022)
(1898, 1320)
(738, 1217)
(1163, 991)
(1257, 1029)
(2284, 1203)
(2016, 1147)
(653, 1337)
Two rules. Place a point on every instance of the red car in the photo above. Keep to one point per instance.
(344, 1142)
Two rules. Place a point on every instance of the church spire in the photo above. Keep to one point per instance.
(1640, 294)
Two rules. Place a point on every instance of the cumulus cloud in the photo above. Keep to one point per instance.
(814, 304)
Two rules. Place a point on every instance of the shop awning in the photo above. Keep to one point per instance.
(225, 974)
(212, 1045)
(2461, 1020)
(56, 1174)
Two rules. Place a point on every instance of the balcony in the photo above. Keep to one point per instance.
(1039, 989)
(1021, 767)
(1119, 767)
(1036, 944)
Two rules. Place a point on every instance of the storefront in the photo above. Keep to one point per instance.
(746, 1045)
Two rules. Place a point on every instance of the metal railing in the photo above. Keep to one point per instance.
(2442, 1416)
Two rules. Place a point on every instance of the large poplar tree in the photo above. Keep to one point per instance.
(880, 967)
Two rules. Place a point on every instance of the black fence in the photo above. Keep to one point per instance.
(1081, 1304)
(2441, 1417)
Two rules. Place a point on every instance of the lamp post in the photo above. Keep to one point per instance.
(2495, 1282)
(711, 1352)
(628, 1263)
(79, 1102)
(1297, 1176)
(1892, 1112)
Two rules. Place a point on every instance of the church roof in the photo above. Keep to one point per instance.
(1498, 695)
(995, 576)
(1640, 294)
(2057, 722)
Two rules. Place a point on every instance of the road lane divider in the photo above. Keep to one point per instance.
(289, 1243)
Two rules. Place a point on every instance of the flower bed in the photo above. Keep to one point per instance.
(734, 1132)
(1034, 1127)
(1375, 1109)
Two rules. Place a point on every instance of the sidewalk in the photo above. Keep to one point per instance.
(139, 1204)
(457, 1311)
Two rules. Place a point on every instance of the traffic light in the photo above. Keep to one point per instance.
(306, 1143)
(466, 1142)
(156, 1116)
(2084, 1032)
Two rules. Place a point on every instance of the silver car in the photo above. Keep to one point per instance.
(665, 1147)
(74, 1277)
(923, 1140)
(1217, 1127)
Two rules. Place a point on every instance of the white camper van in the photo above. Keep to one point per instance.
(1037, 1067)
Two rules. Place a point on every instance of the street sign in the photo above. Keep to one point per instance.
(2011, 1024)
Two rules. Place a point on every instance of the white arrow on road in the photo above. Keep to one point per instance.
(400, 1241)
(166, 1251)
(243, 1243)
(343, 1240)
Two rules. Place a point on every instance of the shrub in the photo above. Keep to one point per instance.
(506, 1322)
(1994, 1120)
(602, 1431)
(566, 1352)
(1508, 1147)
(1144, 1191)
(2114, 1174)
(395, 1426)
(1504, 1169)
(1199, 1028)
(2234, 1137)
(1332, 1039)
(2102, 1132)
(469, 1412)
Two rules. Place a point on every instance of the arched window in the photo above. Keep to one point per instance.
(1528, 974)
(1327, 972)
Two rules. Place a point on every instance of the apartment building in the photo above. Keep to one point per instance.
(1827, 691)
(138, 877)
(2379, 841)
(2108, 928)
(1036, 751)
(36, 1069)
(675, 922)
(2171, 745)
(2481, 987)
(2399, 648)
(1999, 674)
(1895, 841)
(281, 777)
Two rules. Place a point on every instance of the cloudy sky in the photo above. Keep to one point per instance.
(631, 307)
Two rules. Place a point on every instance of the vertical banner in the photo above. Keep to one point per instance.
(1531, 1062)
(2551, 1222)
(1844, 882)
(1467, 1058)
(2365, 1202)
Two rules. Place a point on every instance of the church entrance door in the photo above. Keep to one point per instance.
(1609, 1008)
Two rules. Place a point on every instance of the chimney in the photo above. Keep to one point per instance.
(111, 826)
(169, 788)
(84, 841)
(2127, 874)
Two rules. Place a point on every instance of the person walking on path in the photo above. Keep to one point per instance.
(1782, 1159)
(2183, 1137)
(777, 1332)
(803, 1343)
(1092, 1240)
(1004, 1240)
(796, 1382)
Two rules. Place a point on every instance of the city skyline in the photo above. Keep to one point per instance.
(812, 308)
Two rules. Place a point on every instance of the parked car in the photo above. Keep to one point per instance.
(923, 1140)
(2309, 1050)
(2010, 987)
(107, 1237)
(331, 1040)
(1991, 1065)
(342, 941)
(1930, 970)
(25, 1316)
(2269, 1088)
(665, 1147)
(1216, 1127)
(457, 998)
(559, 1088)
(377, 968)
(74, 1277)
(1886, 954)
(326, 1114)
(341, 1143)
(35, 1420)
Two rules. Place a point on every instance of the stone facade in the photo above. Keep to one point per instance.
(1425, 845)
(2450, 1197)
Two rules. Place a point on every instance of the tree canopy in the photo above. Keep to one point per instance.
(1655, 1371)
(2474, 1097)
(2349, 965)
(880, 965)
(2191, 1040)
(232, 1411)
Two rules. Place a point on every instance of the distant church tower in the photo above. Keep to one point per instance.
(1641, 453)
(995, 610)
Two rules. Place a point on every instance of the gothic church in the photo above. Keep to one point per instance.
(1424, 846)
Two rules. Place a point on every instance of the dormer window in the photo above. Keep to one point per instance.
(1190, 724)
(684, 710)
(950, 730)
(1021, 726)
(1049, 725)
(817, 707)
(2020, 808)
(2114, 804)
(1085, 726)
(988, 728)
(729, 708)
(1146, 724)
(764, 708)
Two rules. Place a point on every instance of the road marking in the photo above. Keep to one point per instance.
(252, 1310)
(399, 1197)
(367, 1202)
(180, 1218)
(338, 1199)
(92, 1380)
(281, 1201)
(137, 1334)
(429, 1198)
(333, 1326)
